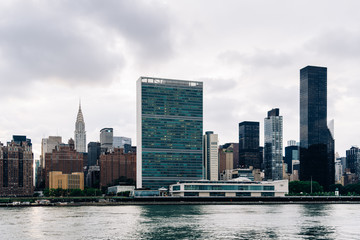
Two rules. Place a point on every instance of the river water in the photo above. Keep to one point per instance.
(307, 221)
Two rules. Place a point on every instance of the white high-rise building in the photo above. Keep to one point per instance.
(80, 133)
(211, 156)
(338, 171)
(47, 145)
(273, 147)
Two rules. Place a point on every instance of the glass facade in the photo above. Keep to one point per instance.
(249, 154)
(229, 187)
(171, 128)
(291, 153)
(147, 193)
(191, 194)
(267, 194)
(94, 151)
(316, 141)
(217, 194)
(243, 194)
(273, 145)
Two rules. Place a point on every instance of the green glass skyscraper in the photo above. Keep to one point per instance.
(169, 131)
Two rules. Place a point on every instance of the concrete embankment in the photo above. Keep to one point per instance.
(116, 201)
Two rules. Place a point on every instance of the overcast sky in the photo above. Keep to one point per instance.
(247, 53)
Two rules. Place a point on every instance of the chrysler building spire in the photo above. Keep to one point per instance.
(80, 133)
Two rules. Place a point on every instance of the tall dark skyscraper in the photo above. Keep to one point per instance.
(316, 141)
(94, 151)
(353, 160)
(249, 154)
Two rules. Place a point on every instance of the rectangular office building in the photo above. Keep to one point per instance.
(316, 140)
(169, 131)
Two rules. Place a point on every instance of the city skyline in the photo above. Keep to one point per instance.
(46, 66)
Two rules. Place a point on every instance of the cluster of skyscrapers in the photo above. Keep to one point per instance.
(66, 166)
(171, 145)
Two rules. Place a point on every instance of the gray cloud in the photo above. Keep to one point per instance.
(260, 57)
(218, 85)
(42, 44)
(338, 43)
(77, 42)
(145, 25)
(52, 52)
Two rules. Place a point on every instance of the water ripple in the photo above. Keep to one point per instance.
(308, 221)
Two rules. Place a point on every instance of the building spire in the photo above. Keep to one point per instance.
(80, 117)
(80, 133)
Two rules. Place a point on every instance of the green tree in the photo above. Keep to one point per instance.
(46, 192)
(92, 192)
(297, 187)
(352, 189)
(76, 193)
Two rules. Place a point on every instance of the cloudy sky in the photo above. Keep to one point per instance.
(248, 54)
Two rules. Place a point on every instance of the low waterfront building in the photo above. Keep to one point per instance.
(145, 193)
(66, 181)
(236, 188)
(117, 189)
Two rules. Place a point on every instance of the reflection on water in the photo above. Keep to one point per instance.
(315, 222)
(169, 221)
(182, 222)
(318, 232)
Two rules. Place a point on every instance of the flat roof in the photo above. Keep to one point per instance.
(227, 182)
(173, 82)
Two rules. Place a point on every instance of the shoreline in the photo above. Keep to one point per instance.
(120, 201)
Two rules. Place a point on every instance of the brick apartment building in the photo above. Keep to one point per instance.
(16, 167)
(64, 158)
(116, 164)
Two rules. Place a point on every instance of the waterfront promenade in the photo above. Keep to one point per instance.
(114, 201)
